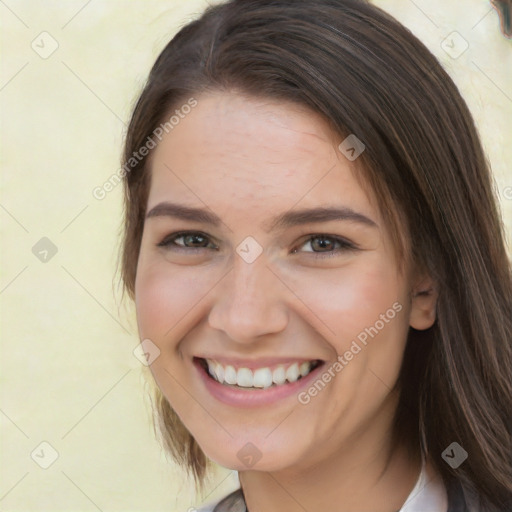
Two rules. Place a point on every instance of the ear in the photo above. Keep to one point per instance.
(423, 304)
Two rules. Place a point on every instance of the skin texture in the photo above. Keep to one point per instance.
(248, 160)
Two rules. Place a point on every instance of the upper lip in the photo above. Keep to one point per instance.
(262, 362)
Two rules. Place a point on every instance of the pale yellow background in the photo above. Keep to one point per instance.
(68, 374)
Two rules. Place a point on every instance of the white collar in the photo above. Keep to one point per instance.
(429, 493)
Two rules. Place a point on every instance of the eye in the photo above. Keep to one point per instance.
(196, 240)
(322, 246)
(326, 245)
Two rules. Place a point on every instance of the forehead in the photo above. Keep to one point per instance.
(237, 153)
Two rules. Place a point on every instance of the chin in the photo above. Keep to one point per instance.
(255, 454)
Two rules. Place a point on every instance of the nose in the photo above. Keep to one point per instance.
(249, 302)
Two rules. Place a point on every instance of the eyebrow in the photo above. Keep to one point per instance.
(287, 219)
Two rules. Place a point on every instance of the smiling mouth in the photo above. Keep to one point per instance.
(259, 378)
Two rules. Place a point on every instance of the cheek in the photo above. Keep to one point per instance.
(375, 320)
(163, 297)
(347, 300)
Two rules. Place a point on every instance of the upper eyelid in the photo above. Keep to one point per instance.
(171, 237)
(179, 234)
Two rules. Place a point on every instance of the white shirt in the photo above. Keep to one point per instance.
(428, 495)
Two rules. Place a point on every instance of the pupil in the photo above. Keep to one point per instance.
(323, 245)
(193, 238)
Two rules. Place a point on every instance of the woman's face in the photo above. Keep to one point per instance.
(261, 253)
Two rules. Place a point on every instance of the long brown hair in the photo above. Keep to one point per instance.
(369, 75)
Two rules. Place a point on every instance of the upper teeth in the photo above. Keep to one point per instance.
(260, 377)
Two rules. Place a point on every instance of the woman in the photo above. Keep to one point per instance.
(318, 264)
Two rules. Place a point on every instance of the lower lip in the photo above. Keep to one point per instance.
(254, 397)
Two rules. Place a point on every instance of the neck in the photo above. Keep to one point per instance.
(361, 476)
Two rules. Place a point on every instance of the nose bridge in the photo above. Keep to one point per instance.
(249, 303)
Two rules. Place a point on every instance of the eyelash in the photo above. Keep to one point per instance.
(169, 243)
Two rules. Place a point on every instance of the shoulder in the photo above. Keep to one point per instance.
(234, 502)
(464, 499)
